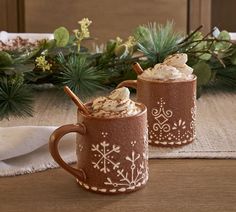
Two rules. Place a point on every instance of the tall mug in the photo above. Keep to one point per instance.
(171, 109)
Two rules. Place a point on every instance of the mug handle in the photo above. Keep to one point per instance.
(128, 83)
(53, 147)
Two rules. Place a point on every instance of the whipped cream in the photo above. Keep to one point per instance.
(117, 104)
(173, 68)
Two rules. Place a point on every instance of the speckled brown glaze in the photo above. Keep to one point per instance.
(171, 107)
(112, 153)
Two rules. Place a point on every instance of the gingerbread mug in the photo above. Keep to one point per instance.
(112, 153)
(171, 109)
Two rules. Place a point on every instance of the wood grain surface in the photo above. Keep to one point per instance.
(174, 185)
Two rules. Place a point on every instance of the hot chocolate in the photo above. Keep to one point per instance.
(173, 68)
(117, 104)
(112, 153)
(169, 92)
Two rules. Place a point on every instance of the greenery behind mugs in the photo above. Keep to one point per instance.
(64, 61)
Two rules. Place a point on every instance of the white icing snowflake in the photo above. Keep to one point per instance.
(136, 178)
(104, 153)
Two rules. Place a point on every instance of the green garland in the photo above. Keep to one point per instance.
(64, 61)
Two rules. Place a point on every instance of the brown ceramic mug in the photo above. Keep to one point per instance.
(171, 109)
(112, 153)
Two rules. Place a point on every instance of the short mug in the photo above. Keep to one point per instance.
(112, 153)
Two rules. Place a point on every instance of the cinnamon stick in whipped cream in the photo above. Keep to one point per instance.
(137, 68)
(76, 100)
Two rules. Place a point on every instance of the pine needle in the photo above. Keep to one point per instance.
(227, 76)
(156, 41)
(15, 99)
(80, 76)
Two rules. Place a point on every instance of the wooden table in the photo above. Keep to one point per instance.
(174, 184)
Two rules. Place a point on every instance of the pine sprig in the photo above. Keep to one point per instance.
(227, 76)
(156, 41)
(15, 99)
(78, 73)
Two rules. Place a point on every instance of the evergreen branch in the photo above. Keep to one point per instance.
(79, 75)
(15, 99)
(156, 41)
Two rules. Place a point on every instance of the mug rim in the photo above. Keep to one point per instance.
(167, 81)
(143, 110)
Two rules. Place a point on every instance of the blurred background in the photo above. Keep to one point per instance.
(112, 18)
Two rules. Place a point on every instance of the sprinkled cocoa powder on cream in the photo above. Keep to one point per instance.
(117, 104)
